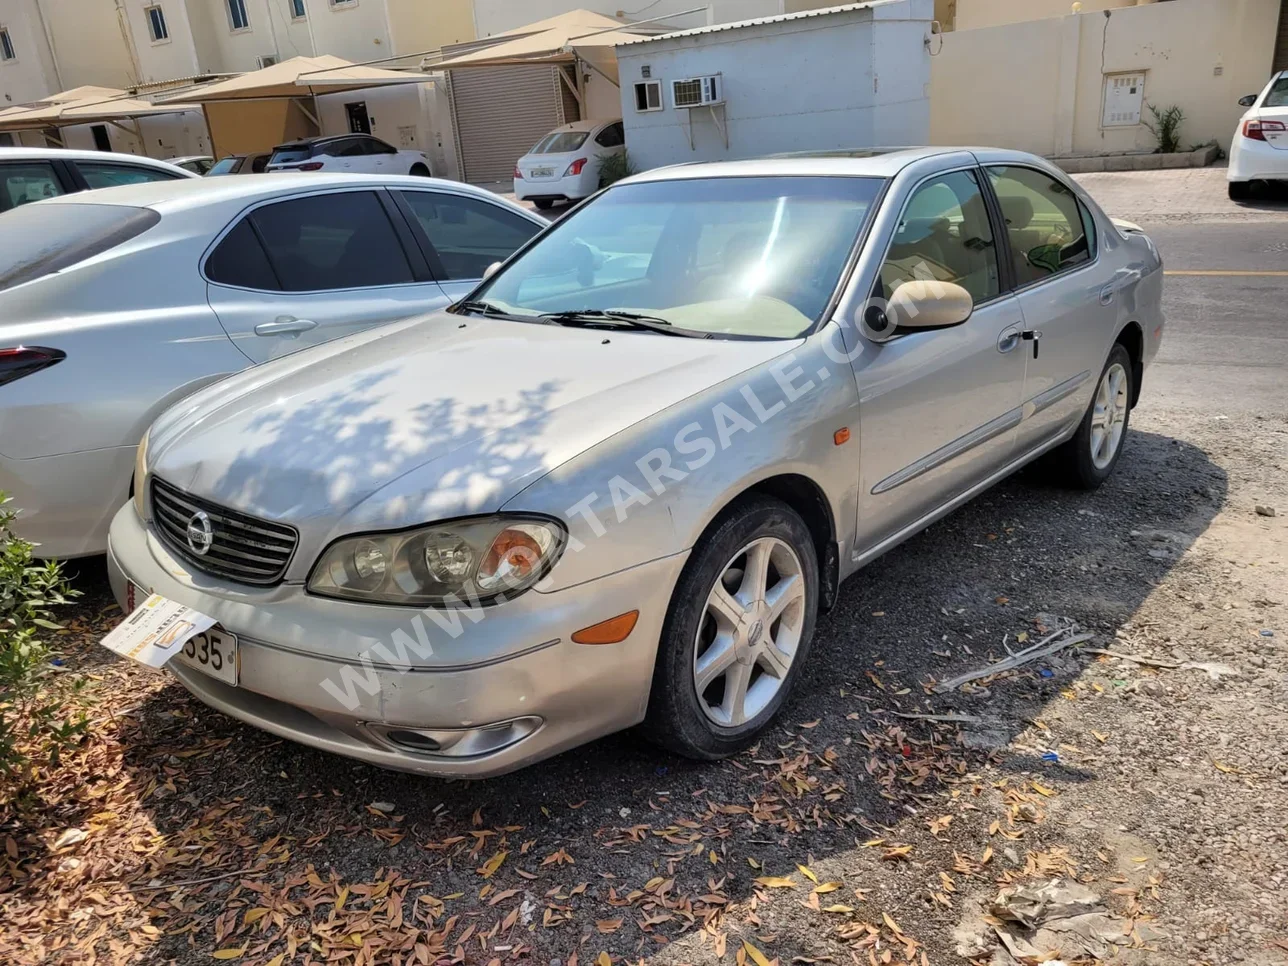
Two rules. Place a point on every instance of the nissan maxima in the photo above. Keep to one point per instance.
(616, 483)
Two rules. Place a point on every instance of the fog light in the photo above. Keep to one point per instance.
(456, 742)
(414, 740)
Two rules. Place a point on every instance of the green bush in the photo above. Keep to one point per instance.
(615, 167)
(37, 716)
(1166, 128)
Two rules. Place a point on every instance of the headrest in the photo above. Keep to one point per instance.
(1017, 210)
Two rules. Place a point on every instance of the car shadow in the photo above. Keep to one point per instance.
(847, 761)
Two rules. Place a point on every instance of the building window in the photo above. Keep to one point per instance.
(648, 96)
(343, 3)
(298, 11)
(6, 45)
(237, 18)
(156, 23)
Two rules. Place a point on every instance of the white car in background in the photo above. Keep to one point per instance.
(348, 154)
(33, 174)
(564, 165)
(117, 303)
(1259, 151)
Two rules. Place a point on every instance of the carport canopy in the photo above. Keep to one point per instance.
(85, 105)
(299, 77)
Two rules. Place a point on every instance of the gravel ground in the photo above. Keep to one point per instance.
(1162, 789)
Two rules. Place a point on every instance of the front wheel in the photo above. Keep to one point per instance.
(737, 632)
(1087, 460)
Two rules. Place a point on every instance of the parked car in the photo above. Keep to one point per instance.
(197, 163)
(617, 482)
(1259, 151)
(117, 304)
(350, 153)
(564, 165)
(33, 174)
(240, 164)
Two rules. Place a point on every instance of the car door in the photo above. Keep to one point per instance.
(308, 269)
(462, 235)
(1068, 300)
(381, 157)
(938, 408)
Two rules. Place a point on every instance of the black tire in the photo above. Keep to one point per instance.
(1240, 190)
(1071, 464)
(545, 204)
(675, 719)
(419, 171)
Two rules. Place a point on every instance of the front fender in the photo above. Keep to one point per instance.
(652, 490)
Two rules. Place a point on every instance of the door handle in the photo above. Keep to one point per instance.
(285, 325)
(1009, 338)
(1107, 295)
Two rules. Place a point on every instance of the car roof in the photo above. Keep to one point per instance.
(859, 163)
(170, 197)
(323, 139)
(582, 126)
(70, 154)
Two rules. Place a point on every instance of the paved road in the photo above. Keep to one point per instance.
(1226, 298)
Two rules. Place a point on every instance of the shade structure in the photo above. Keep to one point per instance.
(87, 109)
(559, 40)
(297, 77)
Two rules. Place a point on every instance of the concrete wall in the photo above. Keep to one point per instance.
(498, 16)
(31, 74)
(845, 80)
(272, 32)
(357, 31)
(164, 136)
(164, 59)
(417, 25)
(1038, 86)
(90, 43)
(973, 14)
(239, 127)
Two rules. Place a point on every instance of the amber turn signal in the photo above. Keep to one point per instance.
(841, 436)
(611, 631)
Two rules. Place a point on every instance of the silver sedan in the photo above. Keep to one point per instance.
(616, 484)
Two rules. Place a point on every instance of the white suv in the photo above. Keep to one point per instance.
(352, 153)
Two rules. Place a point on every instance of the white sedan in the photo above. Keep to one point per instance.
(347, 154)
(1260, 148)
(564, 165)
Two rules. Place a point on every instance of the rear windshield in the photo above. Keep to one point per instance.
(1278, 96)
(290, 155)
(560, 142)
(223, 166)
(38, 240)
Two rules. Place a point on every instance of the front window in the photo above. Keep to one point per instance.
(738, 257)
(561, 142)
(237, 18)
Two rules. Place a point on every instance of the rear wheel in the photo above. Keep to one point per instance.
(737, 632)
(1087, 460)
(1240, 190)
(544, 204)
(419, 170)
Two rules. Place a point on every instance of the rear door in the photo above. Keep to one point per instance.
(461, 235)
(300, 271)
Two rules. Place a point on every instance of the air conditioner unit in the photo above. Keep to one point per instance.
(697, 91)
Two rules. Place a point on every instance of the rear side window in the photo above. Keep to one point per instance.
(240, 260)
(332, 241)
(35, 242)
(612, 136)
(292, 154)
(22, 182)
(468, 234)
(1277, 96)
(100, 175)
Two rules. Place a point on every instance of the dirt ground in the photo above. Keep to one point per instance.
(850, 835)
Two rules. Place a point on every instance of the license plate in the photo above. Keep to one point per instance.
(212, 652)
(543, 172)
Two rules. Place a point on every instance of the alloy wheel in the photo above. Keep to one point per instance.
(1109, 416)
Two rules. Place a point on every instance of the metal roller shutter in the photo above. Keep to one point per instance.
(500, 113)
(1281, 47)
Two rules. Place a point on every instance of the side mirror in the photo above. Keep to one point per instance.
(1247, 100)
(920, 305)
(490, 270)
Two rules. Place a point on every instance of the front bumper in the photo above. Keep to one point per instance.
(524, 666)
(572, 188)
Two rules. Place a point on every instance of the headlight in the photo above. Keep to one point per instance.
(140, 474)
(482, 559)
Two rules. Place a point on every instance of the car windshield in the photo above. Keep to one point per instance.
(561, 142)
(738, 257)
(289, 155)
(1278, 96)
(223, 166)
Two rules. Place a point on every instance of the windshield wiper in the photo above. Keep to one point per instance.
(489, 310)
(632, 320)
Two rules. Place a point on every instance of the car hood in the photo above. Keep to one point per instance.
(436, 417)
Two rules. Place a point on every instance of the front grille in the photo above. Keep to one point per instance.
(242, 548)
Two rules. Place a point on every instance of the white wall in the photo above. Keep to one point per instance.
(30, 75)
(164, 136)
(356, 31)
(414, 116)
(498, 16)
(845, 80)
(165, 59)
